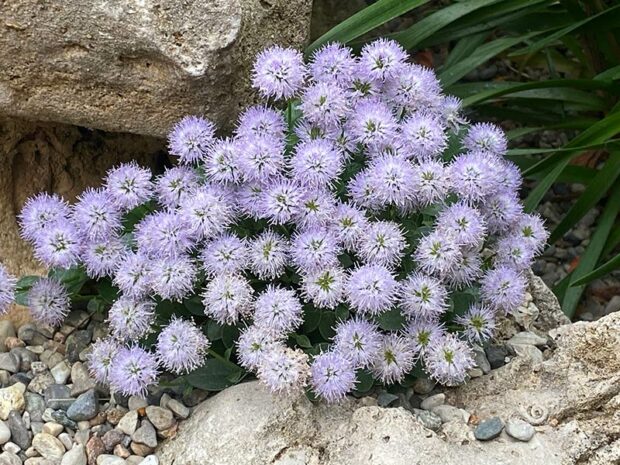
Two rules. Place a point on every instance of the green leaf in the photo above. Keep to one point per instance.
(326, 327)
(312, 318)
(592, 253)
(464, 48)
(194, 305)
(441, 18)
(342, 313)
(214, 330)
(599, 186)
(612, 241)
(215, 375)
(545, 41)
(26, 282)
(477, 92)
(611, 74)
(365, 381)
(599, 272)
(392, 320)
(461, 301)
(229, 335)
(595, 134)
(108, 292)
(302, 341)
(366, 20)
(483, 53)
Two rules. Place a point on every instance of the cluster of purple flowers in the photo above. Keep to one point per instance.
(365, 159)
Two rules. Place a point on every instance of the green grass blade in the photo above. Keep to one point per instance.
(592, 253)
(611, 144)
(486, 19)
(599, 186)
(484, 53)
(595, 134)
(534, 198)
(545, 41)
(610, 74)
(423, 29)
(475, 93)
(612, 241)
(366, 20)
(601, 271)
(464, 48)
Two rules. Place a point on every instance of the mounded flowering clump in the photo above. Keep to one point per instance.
(354, 226)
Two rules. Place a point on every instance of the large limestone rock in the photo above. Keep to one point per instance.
(573, 398)
(55, 158)
(137, 66)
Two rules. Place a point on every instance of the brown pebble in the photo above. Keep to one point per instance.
(94, 448)
(55, 347)
(142, 411)
(13, 342)
(474, 419)
(554, 422)
(115, 414)
(170, 432)
(141, 449)
(121, 451)
(99, 419)
(60, 338)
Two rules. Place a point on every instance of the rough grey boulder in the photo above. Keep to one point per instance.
(137, 66)
(572, 399)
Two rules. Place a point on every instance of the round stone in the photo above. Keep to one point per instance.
(5, 433)
(150, 460)
(433, 401)
(520, 429)
(489, 429)
(76, 456)
(85, 407)
(48, 446)
(161, 418)
(428, 419)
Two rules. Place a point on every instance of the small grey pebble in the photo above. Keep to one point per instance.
(429, 419)
(489, 429)
(520, 429)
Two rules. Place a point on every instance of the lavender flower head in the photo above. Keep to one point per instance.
(58, 245)
(254, 343)
(228, 298)
(7, 289)
(423, 297)
(99, 360)
(128, 185)
(281, 201)
(438, 254)
(371, 289)
(349, 224)
(478, 323)
(314, 249)
(222, 162)
(371, 122)
(382, 59)
(332, 376)
(191, 138)
(358, 340)
(424, 136)
(278, 72)
(48, 301)
(95, 215)
(165, 234)
(486, 137)
(423, 334)
(174, 185)
(102, 258)
(261, 121)
(131, 319)
(133, 275)
(394, 359)
(181, 346)
(414, 88)
(133, 370)
(207, 211)
(324, 104)
(173, 277)
(448, 359)
(392, 178)
(225, 254)
(464, 223)
(40, 212)
(333, 63)
(316, 163)
(284, 370)
(278, 309)
(268, 255)
(383, 243)
(324, 287)
(503, 288)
